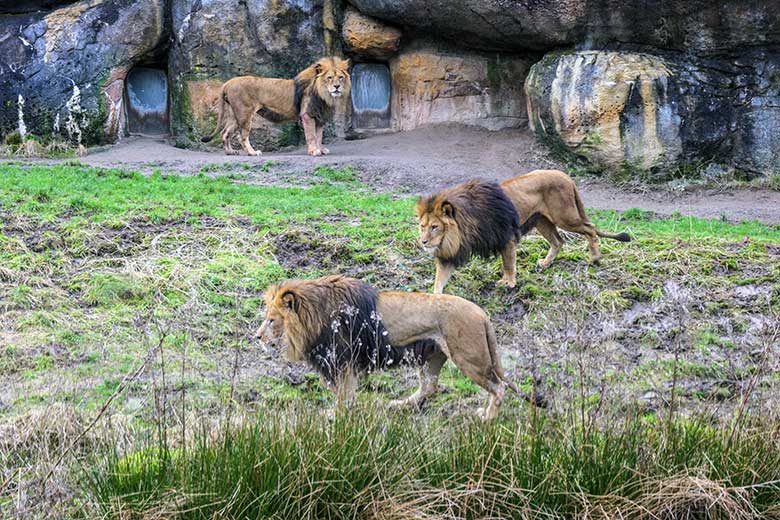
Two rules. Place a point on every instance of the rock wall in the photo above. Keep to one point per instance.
(642, 113)
(652, 86)
(609, 108)
(68, 65)
(647, 85)
(434, 83)
(700, 26)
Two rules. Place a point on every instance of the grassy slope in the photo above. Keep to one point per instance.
(94, 264)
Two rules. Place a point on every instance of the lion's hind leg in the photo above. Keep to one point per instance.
(548, 230)
(227, 136)
(497, 391)
(429, 381)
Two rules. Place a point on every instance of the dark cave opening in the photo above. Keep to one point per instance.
(147, 100)
(371, 89)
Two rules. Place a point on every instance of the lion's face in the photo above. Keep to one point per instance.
(279, 310)
(333, 77)
(439, 233)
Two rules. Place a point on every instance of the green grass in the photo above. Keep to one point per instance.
(367, 464)
(96, 265)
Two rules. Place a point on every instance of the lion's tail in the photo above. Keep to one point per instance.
(220, 116)
(537, 399)
(622, 237)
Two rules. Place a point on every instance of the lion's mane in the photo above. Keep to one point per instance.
(338, 326)
(486, 220)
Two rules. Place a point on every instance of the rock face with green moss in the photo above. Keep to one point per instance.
(652, 85)
(64, 64)
(655, 114)
(613, 109)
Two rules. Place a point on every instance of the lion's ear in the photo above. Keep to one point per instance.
(419, 207)
(448, 209)
(291, 301)
(346, 64)
(318, 68)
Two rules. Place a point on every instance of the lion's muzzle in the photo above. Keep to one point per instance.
(264, 333)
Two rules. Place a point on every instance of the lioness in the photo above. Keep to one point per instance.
(459, 221)
(344, 328)
(312, 96)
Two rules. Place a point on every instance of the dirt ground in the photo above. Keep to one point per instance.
(430, 158)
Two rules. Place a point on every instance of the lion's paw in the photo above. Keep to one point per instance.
(324, 151)
(314, 152)
(509, 284)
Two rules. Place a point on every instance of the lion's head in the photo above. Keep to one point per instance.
(330, 322)
(475, 217)
(328, 77)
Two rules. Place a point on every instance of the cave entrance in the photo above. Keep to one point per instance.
(371, 95)
(147, 101)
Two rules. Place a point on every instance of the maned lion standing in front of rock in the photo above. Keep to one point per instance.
(475, 218)
(345, 328)
(312, 96)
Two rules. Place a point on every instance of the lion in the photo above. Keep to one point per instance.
(344, 328)
(312, 96)
(474, 218)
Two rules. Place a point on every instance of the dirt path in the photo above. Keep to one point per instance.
(430, 158)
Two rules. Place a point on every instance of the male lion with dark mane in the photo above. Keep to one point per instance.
(485, 219)
(345, 328)
(312, 96)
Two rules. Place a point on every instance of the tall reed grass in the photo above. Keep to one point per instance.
(367, 463)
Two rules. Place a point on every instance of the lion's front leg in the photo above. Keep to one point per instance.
(429, 382)
(443, 274)
(319, 131)
(310, 131)
(508, 265)
(346, 388)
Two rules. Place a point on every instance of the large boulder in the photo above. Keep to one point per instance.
(613, 109)
(702, 26)
(368, 38)
(66, 66)
(437, 84)
(639, 112)
(214, 41)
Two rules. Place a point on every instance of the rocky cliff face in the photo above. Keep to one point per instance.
(651, 86)
(701, 26)
(637, 85)
(66, 66)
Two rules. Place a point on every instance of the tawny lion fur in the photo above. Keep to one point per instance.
(545, 199)
(407, 328)
(312, 96)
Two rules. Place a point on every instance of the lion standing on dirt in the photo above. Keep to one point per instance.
(312, 96)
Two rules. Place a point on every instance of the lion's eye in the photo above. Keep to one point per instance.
(434, 227)
(330, 77)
